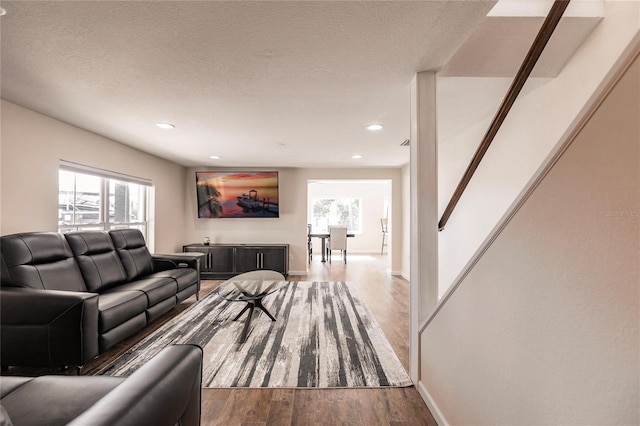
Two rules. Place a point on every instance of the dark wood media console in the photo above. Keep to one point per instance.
(222, 261)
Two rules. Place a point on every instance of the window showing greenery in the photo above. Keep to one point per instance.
(337, 212)
(89, 201)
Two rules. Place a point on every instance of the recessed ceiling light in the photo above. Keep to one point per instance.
(214, 157)
(374, 127)
(2, 11)
(356, 156)
(165, 125)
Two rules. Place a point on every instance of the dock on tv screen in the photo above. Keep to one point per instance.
(237, 194)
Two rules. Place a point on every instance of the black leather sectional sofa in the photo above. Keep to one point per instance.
(66, 298)
(164, 391)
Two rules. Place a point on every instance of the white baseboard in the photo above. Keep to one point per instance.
(366, 251)
(394, 273)
(431, 404)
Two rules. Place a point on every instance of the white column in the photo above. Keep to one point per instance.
(424, 209)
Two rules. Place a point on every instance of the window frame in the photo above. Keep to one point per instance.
(358, 219)
(104, 222)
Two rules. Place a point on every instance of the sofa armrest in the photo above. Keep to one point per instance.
(47, 327)
(163, 262)
(164, 391)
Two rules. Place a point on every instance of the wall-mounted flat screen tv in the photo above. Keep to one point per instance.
(237, 194)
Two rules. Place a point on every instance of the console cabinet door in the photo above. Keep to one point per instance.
(218, 261)
(275, 258)
(225, 261)
(252, 258)
(247, 259)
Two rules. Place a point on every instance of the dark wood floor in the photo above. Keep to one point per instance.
(388, 299)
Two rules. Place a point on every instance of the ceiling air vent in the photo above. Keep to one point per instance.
(405, 142)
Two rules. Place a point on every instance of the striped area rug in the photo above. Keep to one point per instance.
(324, 337)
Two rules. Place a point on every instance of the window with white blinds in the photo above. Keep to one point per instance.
(96, 199)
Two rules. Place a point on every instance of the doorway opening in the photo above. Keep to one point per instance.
(360, 205)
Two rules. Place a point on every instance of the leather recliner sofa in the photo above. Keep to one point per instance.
(66, 298)
(164, 391)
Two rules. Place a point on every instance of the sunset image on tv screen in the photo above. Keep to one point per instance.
(237, 194)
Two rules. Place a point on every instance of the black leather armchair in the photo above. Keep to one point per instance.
(165, 391)
(48, 327)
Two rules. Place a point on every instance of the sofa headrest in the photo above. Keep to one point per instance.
(39, 260)
(96, 255)
(86, 243)
(127, 238)
(34, 248)
(133, 252)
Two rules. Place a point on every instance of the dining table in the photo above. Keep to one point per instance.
(323, 236)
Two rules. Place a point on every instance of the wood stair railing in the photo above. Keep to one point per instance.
(540, 42)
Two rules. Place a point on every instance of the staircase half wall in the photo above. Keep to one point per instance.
(544, 329)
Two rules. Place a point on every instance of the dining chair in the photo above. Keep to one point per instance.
(309, 244)
(337, 241)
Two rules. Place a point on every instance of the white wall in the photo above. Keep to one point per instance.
(406, 223)
(545, 327)
(372, 194)
(291, 227)
(32, 146)
(531, 131)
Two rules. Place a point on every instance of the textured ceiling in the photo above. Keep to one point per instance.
(265, 83)
(257, 83)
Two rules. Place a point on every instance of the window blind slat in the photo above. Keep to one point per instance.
(80, 168)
